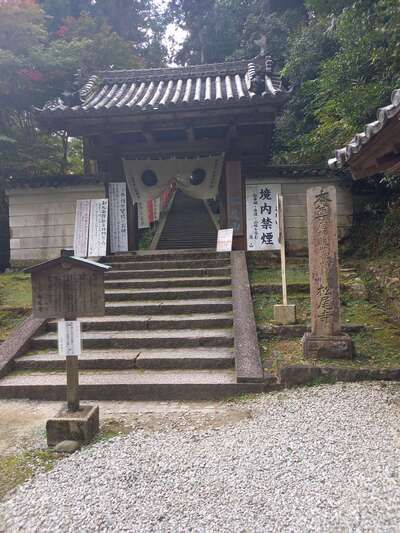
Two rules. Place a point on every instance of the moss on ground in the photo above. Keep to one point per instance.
(112, 428)
(16, 469)
(9, 319)
(15, 301)
(294, 273)
(15, 291)
(377, 346)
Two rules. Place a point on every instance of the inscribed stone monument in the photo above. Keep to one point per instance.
(326, 338)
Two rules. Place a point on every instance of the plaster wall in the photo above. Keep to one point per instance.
(42, 220)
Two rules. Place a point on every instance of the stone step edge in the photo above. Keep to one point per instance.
(136, 360)
(139, 392)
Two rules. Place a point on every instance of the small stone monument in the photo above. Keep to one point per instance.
(66, 288)
(326, 338)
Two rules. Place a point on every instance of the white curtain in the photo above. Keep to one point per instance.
(165, 171)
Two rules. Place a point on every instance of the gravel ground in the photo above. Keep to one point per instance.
(312, 459)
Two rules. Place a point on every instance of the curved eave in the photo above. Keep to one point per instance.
(55, 119)
(345, 156)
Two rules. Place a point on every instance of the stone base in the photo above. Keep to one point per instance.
(285, 314)
(338, 347)
(80, 426)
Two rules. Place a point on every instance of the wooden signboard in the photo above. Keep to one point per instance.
(225, 238)
(118, 217)
(81, 235)
(98, 228)
(67, 287)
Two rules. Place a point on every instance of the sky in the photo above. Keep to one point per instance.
(174, 35)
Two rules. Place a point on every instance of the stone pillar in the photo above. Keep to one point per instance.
(326, 338)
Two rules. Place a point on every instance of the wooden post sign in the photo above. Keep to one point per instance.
(67, 288)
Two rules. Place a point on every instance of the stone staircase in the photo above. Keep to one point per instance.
(167, 335)
(189, 225)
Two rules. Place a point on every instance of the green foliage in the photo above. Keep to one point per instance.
(228, 29)
(344, 66)
(41, 50)
(341, 57)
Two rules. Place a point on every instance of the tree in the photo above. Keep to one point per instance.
(344, 65)
(40, 60)
(227, 29)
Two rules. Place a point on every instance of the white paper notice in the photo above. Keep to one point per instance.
(69, 337)
(98, 228)
(118, 218)
(81, 235)
(224, 242)
(262, 216)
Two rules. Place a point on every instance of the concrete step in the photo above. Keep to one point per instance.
(158, 255)
(150, 322)
(170, 307)
(144, 385)
(170, 264)
(168, 358)
(167, 245)
(187, 338)
(166, 283)
(166, 294)
(168, 273)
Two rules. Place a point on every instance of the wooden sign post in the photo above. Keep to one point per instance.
(69, 346)
(67, 288)
(283, 314)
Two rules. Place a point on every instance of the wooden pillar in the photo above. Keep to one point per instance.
(235, 203)
(116, 174)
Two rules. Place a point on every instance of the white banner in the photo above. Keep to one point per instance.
(143, 215)
(69, 337)
(156, 209)
(118, 217)
(98, 228)
(198, 177)
(262, 216)
(81, 234)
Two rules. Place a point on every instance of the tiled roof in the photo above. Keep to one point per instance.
(343, 156)
(169, 88)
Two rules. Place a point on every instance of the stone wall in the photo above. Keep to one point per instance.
(42, 220)
(294, 191)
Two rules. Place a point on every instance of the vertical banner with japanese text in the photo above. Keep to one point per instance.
(98, 228)
(81, 233)
(262, 216)
(118, 217)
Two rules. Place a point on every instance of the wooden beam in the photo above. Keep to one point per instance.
(123, 150)
(133, 124)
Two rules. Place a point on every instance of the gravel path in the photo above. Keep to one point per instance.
(312, 459)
